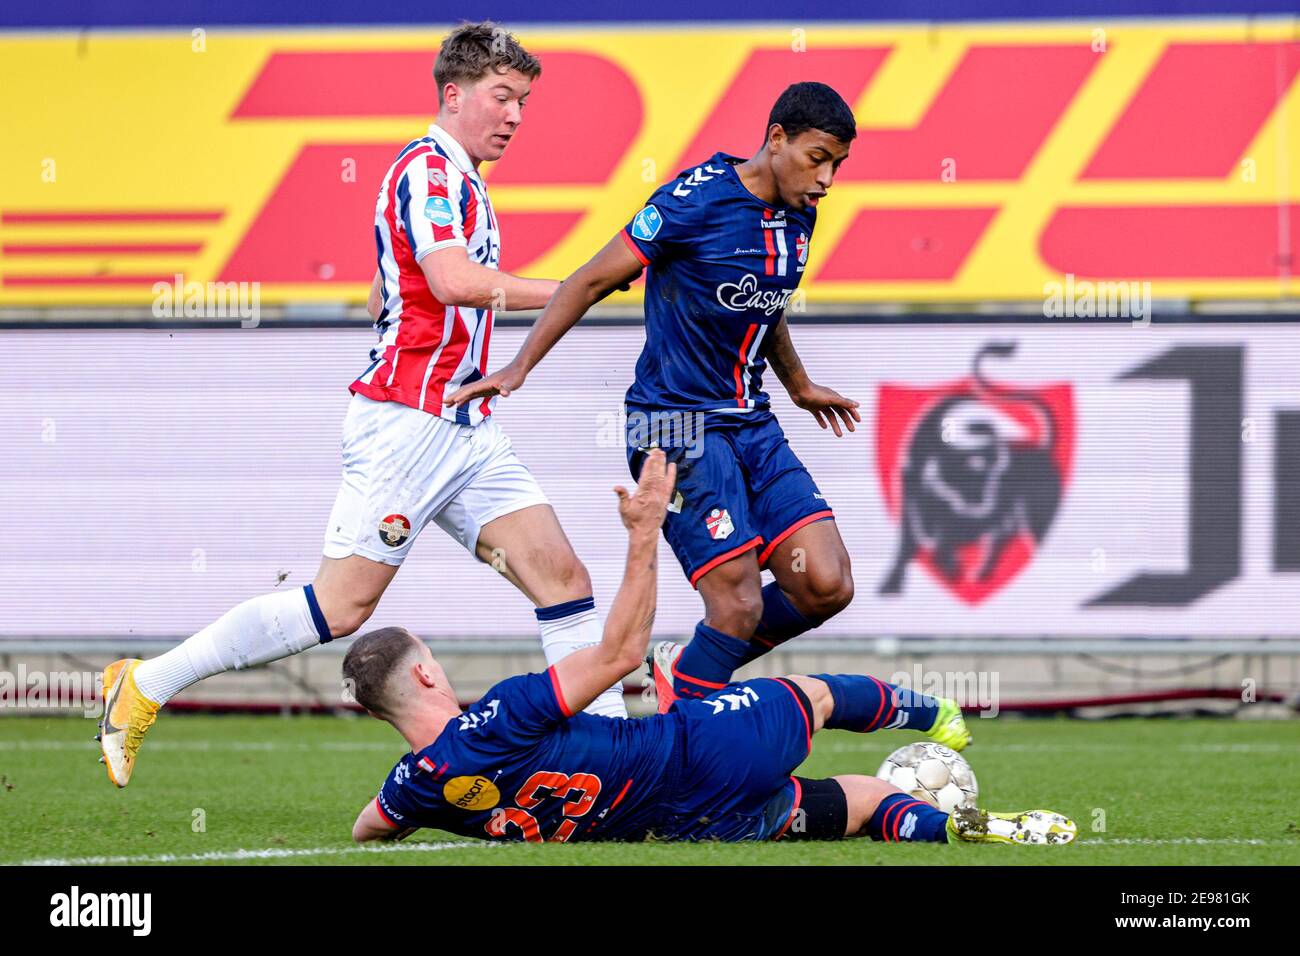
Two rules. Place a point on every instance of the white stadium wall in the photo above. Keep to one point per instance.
(154, 478)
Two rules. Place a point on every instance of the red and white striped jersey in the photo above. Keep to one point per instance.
(431, 198)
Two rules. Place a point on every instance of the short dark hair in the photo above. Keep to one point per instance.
(370, 664)
(805, 106)
(472, 50)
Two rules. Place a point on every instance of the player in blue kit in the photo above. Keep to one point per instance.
(525, 764)
(725, 245)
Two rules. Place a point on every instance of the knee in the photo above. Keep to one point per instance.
(825, 594)
(863, 795)
(819, 695)
(344, 614)
(349, 619)
(572, 573)
(736, 611)
(560, 572)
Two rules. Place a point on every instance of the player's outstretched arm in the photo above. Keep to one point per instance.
(611, 268)
(585, 674)
(824, 403)
(371, 825)
(455, 279)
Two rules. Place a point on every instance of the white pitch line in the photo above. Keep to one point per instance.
(218, 856)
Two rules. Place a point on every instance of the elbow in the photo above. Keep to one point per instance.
(620, 655)
(363, 831)
(585, 286)
(630, 661)
(591, 288)
(451, 282)
(450, 290)
(588, 286)
(620, 652)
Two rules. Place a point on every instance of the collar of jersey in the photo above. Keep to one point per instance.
(428, 752)
(452, 149)
(731, 162)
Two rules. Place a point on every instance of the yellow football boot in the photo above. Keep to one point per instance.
(971, 825)
(128, 715)
(950, 728)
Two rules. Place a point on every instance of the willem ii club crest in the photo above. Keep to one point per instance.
(973, 472)
(394, 530)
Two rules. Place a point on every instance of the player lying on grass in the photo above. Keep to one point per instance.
(524, 763)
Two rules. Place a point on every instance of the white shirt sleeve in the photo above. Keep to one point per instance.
(431, 207)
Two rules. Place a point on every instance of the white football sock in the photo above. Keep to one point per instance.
(260, 630)
(570, 627)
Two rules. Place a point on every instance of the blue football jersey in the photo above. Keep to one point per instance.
(518, 766)
(722, 266)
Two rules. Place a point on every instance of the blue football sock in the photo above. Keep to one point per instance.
(780, 621)
(903, 818)
(707, 662)
(864, 704)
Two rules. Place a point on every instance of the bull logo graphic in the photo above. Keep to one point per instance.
(973, 472)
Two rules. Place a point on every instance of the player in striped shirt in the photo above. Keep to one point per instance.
(724, 246)
(409, 457)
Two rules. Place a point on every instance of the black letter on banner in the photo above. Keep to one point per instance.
(1214, 459)
(1286, 490)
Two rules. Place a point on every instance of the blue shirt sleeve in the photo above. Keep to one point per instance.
(397, 800)
(517, 711)
(669, 222)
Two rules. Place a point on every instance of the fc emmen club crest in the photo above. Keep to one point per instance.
(719, 524)
(973, 473)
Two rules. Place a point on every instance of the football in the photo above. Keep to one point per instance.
(932, 773)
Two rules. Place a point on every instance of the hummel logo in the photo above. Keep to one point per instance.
(900, 720)
(743, 699)
(472, 721)
(696, 177)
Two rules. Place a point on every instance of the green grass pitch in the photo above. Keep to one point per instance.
(271, 790)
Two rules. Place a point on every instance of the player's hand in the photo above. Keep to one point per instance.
(828, 406)
(644, 509)
(498, 383)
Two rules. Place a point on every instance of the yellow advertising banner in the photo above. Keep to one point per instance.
(991, 161)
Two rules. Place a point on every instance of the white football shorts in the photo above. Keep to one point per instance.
(403, 468)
